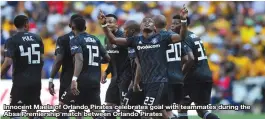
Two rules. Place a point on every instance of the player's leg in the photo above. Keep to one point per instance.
(33, 97)
(175, 92)
(112, 97)
(201, 94)
(185, 101)
(133, 98)
(153, 97)
(92, 97)
(16, 99)
(65, 98)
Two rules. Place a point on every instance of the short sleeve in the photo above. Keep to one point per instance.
(102, 50)
(184, 49)
(165, 35)
(75, 46)
(10, 48)
(59, 47)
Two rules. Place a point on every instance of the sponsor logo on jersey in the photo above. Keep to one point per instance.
(148, 47)
(113, 51)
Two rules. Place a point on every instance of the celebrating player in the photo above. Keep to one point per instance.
(87, 52)
(119, 66)
(198, 77)
(150, 49)
(24, 50)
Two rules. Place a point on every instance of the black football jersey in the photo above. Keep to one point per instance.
(92, 51)
(152, 56)
(120, 62)
(25, 49)
(200, 71)
(63, 48)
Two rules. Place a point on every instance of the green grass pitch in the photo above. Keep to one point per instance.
(222, 116)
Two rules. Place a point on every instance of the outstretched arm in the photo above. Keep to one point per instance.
(175, 37)
(112, 39)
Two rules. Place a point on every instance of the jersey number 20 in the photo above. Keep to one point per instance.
(174, 48)
(92, 55)
(31, 51)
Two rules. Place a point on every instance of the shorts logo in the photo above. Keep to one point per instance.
(19, 102)
(140, 42)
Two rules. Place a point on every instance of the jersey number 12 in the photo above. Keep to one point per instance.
(92, 55)
(31, 51)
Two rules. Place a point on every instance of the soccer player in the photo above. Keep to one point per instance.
(87, 52)
(119, 66)
(64, 59)
(198, 77)
(24, 50)
(176, 53)
(150, 49)
(131, 28)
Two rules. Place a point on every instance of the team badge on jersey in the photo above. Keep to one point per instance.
(154, 40)
(114, 46)
(71, 37)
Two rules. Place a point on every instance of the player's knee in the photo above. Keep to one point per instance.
(201, 113)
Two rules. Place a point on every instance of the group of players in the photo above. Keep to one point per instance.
(150, 65)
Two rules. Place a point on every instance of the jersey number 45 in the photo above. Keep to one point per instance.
(31, 51)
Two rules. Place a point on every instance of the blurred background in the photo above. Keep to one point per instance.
(233, 34)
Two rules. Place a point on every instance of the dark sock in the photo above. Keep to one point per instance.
(211, 116)
(183, 116)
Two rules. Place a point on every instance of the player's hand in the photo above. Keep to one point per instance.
(101, 17)
(51, 88)
(136, 88)
(103, 78)
(184, 13)
(74, 89)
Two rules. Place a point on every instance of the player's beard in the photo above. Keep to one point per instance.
(147, 30)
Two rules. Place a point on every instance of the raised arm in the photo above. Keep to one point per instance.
(112, 39)
(175, 37)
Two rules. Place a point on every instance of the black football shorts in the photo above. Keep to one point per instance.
(200, 93)
(29, 95)
(113, 93)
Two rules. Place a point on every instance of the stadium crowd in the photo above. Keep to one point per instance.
(233, 32)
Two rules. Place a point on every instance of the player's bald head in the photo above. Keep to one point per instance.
(160, 21)
(131, 27)
(131, 24)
